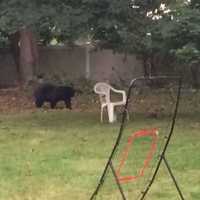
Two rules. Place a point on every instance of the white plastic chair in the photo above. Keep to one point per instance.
(104, 92)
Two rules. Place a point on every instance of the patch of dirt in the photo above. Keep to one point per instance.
(15, 100)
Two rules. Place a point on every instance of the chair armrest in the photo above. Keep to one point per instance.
(121, 92)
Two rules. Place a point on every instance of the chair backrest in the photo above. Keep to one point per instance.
(103, 89)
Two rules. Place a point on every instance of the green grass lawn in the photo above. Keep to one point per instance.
(60, 155)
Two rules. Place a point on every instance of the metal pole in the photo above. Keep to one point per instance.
(117, 181)
(173, 178)
(166, 144)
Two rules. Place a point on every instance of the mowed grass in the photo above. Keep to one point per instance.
(61, 154)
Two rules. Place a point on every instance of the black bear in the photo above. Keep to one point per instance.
(53, 94)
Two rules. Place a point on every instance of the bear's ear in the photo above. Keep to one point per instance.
(40, 78)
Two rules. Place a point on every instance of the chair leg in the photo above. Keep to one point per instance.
(111, 114)
(101, 114)
(102, 110)
(127, 115)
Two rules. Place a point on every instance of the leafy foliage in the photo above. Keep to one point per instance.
(61, 19)
(181, 33)
(121, 25)
(115, 23)
(188, 53)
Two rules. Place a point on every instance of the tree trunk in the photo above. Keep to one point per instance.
(145, 66)
(153, 70)
(14, 46)
(28, 56)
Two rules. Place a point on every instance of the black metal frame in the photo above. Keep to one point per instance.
(162, 155)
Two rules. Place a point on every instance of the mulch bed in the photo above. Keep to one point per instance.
(15, 100)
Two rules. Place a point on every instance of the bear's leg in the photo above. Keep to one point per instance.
(68, 104)
(53, 104)
(39, 103)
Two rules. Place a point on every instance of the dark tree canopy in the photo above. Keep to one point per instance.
(145, 28)
(115, 22)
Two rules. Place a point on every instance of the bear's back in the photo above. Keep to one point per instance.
(44, 90)
(64, 92)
